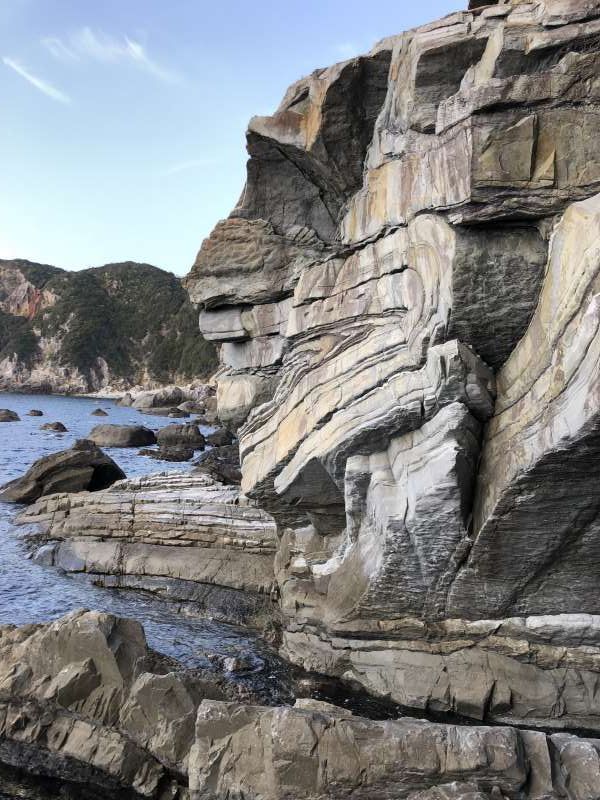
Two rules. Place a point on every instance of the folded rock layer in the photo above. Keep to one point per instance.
(408, 330)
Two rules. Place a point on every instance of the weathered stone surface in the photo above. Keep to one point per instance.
(188, 435)
(83, 467)
(416, 399)
(122, 436)
(6, 415)
(316, 751)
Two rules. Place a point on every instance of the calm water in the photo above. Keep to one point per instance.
(31, 593)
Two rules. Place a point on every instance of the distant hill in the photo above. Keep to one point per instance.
(109, 327)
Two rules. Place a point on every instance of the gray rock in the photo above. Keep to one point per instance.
(187, 435)
(83, 467)
(122, 436)
(35, 412)
(99, 412)
(6, 415)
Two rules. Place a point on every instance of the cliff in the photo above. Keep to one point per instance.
(106, 328)
(406, 306)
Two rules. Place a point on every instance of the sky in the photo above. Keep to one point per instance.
(122, 122)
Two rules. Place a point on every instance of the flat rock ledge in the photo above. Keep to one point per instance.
(184, 537)
(86, 703)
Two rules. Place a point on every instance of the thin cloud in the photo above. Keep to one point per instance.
(97, 46)
(40, 84)
(183, 166)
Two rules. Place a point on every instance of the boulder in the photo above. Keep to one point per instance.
(220, 438)
(54, 426)
(173, 454)
(187, 435)
(222, 464)
(126, 400)
(99, 412)
(160, 398)
(122, 436)
(6, 415)
(35, 412)
(178, 413)
(83, 467)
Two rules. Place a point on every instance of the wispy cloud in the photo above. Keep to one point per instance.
(98, 46)
(43, 86)
(183, 166)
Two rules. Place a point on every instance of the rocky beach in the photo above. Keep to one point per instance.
(361, 561)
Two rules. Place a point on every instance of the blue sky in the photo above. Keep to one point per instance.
(122, 124)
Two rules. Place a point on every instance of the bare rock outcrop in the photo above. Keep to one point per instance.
(409, 336)
(184, 537)
(85, 702)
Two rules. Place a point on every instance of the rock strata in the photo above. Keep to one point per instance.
(184, 537)
(412, 374)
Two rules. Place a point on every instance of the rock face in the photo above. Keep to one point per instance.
(96, 330)
(408, 324)
(85, 702)
(122, 436)
(83, 467)
(184, 537)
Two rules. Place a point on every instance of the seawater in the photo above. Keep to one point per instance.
(32, 593)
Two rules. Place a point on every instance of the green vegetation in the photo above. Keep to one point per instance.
(136, 317)
(17, 338)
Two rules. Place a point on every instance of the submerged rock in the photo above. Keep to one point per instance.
(122, 436)
(6, 415)
(35, 412)
(83, 467)
(99, 412)
(54, 426)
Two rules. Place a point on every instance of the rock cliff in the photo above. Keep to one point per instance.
(107, 328)
(406, 305)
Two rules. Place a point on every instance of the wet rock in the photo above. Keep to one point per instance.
(122, 436)
(83, 467)
(6, 415)
(54, 426)
(99, 412)
(126, 400)
(35, 412)
(187, 435)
